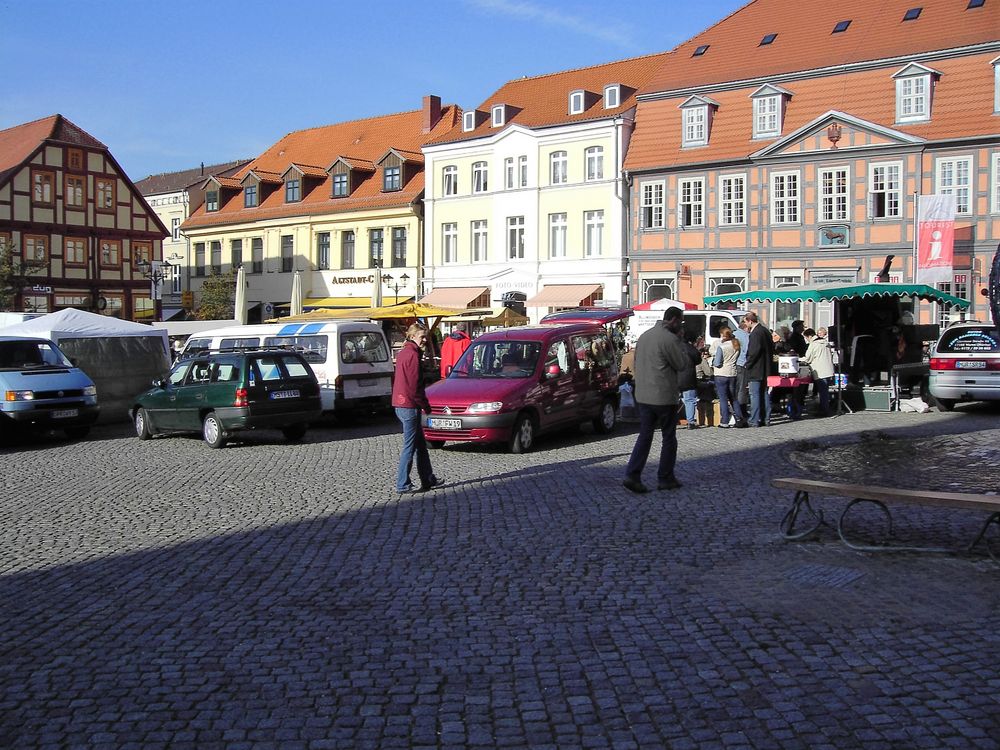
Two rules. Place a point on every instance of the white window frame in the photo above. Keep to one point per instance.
(958, 287)
(593, 233)
(995, 203)
(449, 180)
(498, 116)
(883, 184)
(612, 96)
(732, 200)
(577, 100)
(996, 86)
(480, 177)
(522, 171)
(670, 282)
(691, 202)
(557, 235)
(594, 163)
(449, 243)
(788, 204)
(508, 173)
(834, 205)
(913, 98)
(515, 237)
(716, 278)
(694, 129)
(784, 279)
(767, 116)
(949, 185)
(480, 240)
(175, 229)
(652, 204)
(558, 168)
(468, 121)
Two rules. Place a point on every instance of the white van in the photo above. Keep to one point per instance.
(705, 323)
(350, 358)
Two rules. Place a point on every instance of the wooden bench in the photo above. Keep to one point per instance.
(881, 497)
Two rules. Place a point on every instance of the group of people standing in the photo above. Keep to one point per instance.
(665, 374)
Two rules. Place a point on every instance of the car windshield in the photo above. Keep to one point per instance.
(30, 354)
(498, 359)
(979, 340)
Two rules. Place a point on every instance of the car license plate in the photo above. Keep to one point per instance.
(970, 364)
(368, 383)
(285, 394)
(64, 413)
(445, 424)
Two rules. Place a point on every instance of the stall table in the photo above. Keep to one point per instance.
(790, 389)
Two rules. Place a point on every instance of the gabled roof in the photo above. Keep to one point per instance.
(883, 135)
(414, 157)
(173, 182)
(543, 101)
(264, 175)
(226, 182)
(358, 143)
(21, 141)
(306, 170)
(805, 40)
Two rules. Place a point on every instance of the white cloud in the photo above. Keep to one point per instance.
(528, 11)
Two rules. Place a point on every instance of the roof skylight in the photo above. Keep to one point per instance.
(767, 40)
(841, 26)
(701, 50)
(975, 4)
(912, 14)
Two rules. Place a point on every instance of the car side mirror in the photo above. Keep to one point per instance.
(552, 371)
(448, 370)
(159, 383)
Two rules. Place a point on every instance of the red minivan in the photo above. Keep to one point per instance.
(512, 385)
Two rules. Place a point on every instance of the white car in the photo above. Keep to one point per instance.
(965, 365)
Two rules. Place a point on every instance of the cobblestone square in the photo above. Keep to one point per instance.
(162, 594)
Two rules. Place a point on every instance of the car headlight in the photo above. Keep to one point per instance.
(485, 406)
(90, 390)
(19, 396)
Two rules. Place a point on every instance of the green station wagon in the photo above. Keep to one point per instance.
(220, 393)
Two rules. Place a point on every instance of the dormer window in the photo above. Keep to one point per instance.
(250, 196)
(768, 110)
(577, 100)
(612, 96)
(293, 191)
(696, 120)
(212, 200)
(498, 115)
(340, 182)
(392, 179)
(913, 93)
(468, 121)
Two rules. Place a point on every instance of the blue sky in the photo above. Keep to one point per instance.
(169, 85)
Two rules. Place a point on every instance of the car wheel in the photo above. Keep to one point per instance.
(435, 444)
(77, 433)
(605, 421)
(945, 404)
(141, 423)
(293, 433)
(523, 436)
(212, 432)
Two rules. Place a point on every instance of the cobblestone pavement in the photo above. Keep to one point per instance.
(161, 594)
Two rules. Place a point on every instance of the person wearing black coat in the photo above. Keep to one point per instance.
(759, 356)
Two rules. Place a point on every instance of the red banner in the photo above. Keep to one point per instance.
(935, 239)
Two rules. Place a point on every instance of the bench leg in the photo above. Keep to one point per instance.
(884, 547)
(788, 522)
(993, 519)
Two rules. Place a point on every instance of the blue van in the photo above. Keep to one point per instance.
(40, 389)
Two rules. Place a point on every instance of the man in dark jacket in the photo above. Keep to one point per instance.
(759, 355)
(659, 357)
(453, 347)
(409, 400)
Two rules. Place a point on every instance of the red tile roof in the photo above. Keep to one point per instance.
(19, 142)
(227, 182)
(172, 182)
(805, 40)
(544, 100)
(309, 170)
(360, 143)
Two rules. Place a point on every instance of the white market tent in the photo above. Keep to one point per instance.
(121, 357)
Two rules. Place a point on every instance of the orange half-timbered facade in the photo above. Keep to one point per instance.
(68, 208)
(784, 149)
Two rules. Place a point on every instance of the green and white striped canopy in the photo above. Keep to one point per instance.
(823, 292)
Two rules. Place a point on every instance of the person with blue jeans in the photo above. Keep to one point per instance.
(758, 367)
(409, 400)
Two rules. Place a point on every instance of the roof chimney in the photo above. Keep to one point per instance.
(203, 169)
(432, 112)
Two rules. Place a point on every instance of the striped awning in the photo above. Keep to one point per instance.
(565, 295)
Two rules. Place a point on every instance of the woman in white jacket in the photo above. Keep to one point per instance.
(724, 365)
(819, 357)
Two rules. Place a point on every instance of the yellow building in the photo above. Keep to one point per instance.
(525, 202)
(338, 203)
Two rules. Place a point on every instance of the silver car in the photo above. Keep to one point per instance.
(965, 365)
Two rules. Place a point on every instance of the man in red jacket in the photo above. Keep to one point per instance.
(453, 347)
(409, 399)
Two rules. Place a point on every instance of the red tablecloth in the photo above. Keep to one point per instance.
(783, 381)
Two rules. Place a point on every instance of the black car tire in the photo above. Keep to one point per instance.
(435, 444)
(522, 437)
(78, 433)
(945, 404)
(212, 432)
(141, 422)
(294, 433)
(606, 420)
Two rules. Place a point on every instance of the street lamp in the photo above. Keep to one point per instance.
(395, 285)
(157, 272)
